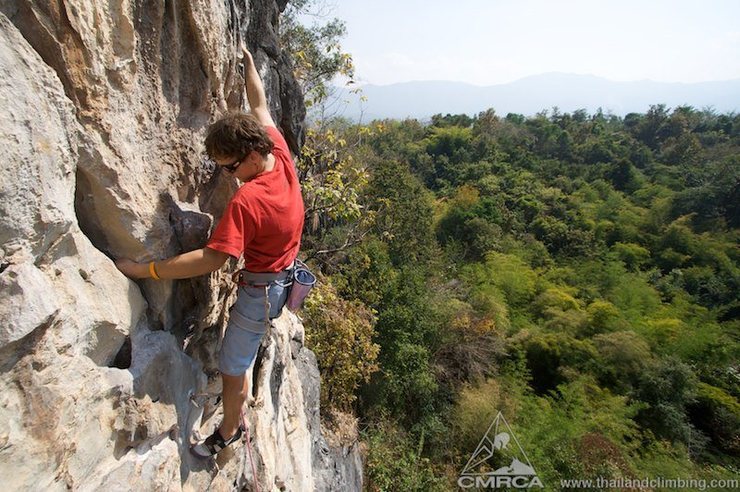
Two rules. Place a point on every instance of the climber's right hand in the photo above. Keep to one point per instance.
(132, 269)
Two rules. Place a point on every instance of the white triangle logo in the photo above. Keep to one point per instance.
(499, 455)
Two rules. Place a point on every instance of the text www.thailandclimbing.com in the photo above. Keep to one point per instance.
(649, 483)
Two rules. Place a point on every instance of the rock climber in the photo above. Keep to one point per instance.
(263, 221)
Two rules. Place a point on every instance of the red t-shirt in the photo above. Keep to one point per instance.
(264, 219)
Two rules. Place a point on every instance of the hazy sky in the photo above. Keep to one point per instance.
(488, 42)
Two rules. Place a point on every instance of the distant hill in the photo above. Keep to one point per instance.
(531, 95)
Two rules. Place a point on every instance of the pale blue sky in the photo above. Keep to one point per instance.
(498, 41)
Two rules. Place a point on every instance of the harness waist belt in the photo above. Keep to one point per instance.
(264, 278)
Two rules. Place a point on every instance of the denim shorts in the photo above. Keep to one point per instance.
(247, 326)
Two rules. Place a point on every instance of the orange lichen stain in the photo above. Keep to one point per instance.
(43, 146)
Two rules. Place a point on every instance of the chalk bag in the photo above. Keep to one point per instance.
(303, 282)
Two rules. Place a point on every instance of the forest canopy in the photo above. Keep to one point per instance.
(578, 272)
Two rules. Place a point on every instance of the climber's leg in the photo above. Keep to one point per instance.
(238, 352)
(235, 391)
(246, 327)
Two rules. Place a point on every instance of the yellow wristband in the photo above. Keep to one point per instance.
(152, 271)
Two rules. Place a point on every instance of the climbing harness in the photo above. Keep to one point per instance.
(265, 280)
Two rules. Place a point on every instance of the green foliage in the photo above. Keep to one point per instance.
(633, 255)
(623, 356)
(405, 213)
(490, 302)
(316, 52)
(560, 311)
(603, 316)
(394, 461)
(583, 431)
(409, 384)
(717, 413)
(661, 459)
(368, 272)
(468, 222)
(560, 238)
(449, 148)
(503, 273)
(715, 195)
(340, 335)
(477, 406)
(632, 294)
(624, 176)
(579, 272)
(553, 358)
(554, 298)
(333, 183)
(710, 286)
(667, 386)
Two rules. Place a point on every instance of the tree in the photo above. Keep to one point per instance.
(405, 213)
(633, 255)
(316, 52)
(464, 225)
(334, 184)
(647, 129)
(341, 337)
(624, 176)
(667, 386)
(450, 147)
(553, 357)
(623, 357)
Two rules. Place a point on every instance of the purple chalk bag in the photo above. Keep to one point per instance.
(303, 282)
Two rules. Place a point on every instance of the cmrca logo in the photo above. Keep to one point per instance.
(498, 462)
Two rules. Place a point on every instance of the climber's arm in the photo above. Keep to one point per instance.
(256, 91)
(190, 264)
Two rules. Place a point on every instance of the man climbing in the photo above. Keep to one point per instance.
(263, 221)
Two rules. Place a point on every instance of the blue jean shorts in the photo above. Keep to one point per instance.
(247, 326)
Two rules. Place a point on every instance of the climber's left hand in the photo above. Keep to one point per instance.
(246, 55)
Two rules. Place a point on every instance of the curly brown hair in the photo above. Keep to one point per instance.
(237, 134)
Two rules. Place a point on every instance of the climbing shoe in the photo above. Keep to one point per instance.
(213, 444)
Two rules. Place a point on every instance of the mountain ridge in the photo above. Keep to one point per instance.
(532, 94)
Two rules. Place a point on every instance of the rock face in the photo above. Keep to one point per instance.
(102, 378)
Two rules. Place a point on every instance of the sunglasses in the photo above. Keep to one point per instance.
(231, 168)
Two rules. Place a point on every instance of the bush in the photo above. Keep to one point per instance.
(553, 357)
(632, 295)
(471, 345)
(340, 333)
(667, 386)
(505, 273)
(717, 413)
(579, 431)
(477, 406)
(367, 273)
(560, 311)
(394, 461)
(603, 316)
(633, 255)
(623, 356)
(409, 385)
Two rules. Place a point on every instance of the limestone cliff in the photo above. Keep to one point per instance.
(105, 106)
